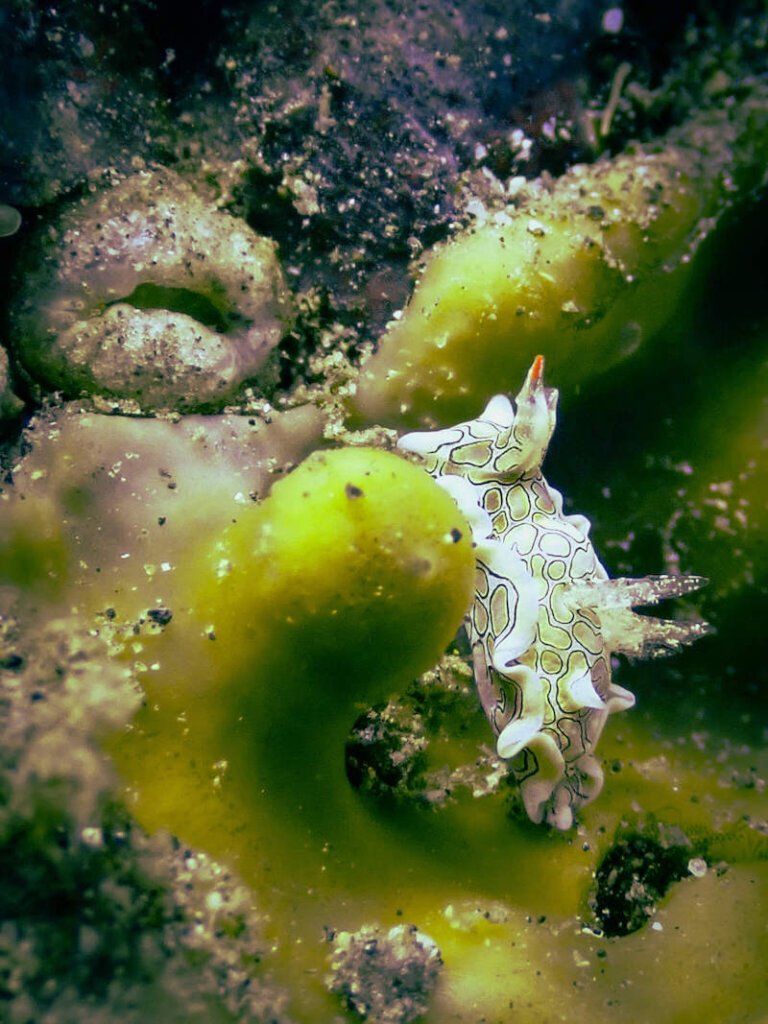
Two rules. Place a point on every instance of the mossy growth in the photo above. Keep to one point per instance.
(583, 270)
(386, 977)
(99, 921)
(427, 744)
(635, 872)
(385, 752)
(79, 911)
(647, 857)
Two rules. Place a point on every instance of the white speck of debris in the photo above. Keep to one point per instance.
(213, 901)
(92, 837)
(697, 867)
(476, 208)
(657, 926)
(514, 185)
(549, 129)
(86, 47)
(613, 20)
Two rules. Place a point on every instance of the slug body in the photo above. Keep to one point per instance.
(545, 617)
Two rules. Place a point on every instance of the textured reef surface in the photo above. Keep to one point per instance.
(303, 661)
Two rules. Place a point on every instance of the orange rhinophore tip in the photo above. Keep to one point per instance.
(537, 369)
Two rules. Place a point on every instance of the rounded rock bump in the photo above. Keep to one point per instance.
(143, 292)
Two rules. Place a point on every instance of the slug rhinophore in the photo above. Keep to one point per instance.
(545, 617)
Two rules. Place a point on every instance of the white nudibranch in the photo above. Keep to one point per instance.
(545, 617)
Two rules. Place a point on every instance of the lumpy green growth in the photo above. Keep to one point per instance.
(582, 272)
(342, 585)
(357, 566)
(99, 921)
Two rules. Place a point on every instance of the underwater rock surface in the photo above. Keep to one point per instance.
(142, 292)
(224, 839)
(10, 404)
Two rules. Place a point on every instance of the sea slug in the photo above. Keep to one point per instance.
(545, 617)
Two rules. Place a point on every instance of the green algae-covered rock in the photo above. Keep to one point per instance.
(583, 272)
(357, 568)
(101, 510)
(349, 579)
